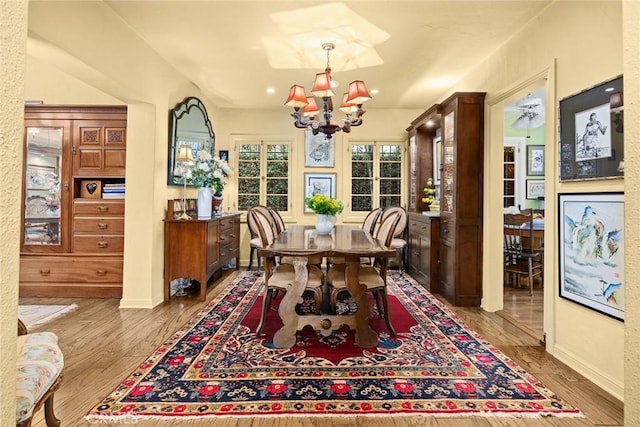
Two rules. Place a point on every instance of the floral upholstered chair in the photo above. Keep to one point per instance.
(39, 373)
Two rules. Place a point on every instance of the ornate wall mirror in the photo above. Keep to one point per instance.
(188, 125)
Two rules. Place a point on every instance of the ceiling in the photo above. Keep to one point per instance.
(412, 52)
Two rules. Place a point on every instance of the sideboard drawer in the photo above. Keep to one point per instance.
(111, 225)
(76, 269)
(98, 244)
(226, 223)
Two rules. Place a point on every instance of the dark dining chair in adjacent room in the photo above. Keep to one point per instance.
(522, 252)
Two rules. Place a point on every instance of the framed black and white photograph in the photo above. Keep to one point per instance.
(224, 155)
(591, 133)
(319, 150)
(322, 183)
(591, 251)
(535, 189)
(535, 160)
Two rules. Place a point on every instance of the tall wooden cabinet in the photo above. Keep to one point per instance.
(462, 120)
(72, 239)
(455, 235)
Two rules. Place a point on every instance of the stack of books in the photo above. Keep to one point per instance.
(113, 191)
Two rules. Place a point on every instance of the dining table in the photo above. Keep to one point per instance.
(345, 241)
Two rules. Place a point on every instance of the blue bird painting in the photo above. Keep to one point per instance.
(610, 292)
(587, 237)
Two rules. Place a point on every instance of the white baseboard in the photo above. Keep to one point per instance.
(593, 374)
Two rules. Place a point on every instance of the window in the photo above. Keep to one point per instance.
(263, 173)
(375, 175)
(513, 175)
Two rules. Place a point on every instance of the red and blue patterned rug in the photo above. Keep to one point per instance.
(435, 365)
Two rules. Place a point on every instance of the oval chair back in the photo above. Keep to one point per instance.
(278, 221)
(371, 220)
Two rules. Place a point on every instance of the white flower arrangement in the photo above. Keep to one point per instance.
(208, 171)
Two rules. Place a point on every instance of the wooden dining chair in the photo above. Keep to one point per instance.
(522, 256)
(280, 277)
(255, 243)
(373, 277)
(369, 225)
(399, 241)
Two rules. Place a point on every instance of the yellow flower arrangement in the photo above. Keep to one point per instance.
(324, 205)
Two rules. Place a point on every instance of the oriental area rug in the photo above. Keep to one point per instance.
(435, 365)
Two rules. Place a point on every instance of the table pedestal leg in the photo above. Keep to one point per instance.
(365, 336)
(285, 337)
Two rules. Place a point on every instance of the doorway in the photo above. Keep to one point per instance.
(522, 122)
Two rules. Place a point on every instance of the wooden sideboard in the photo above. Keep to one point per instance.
(196, 249)
(424, 244)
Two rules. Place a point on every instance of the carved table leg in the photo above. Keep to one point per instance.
(285, 337)
(365, 336)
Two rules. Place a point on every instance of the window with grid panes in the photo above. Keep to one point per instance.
(263, 174)
(376, 175)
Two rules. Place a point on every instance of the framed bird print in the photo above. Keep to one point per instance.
(591, 250)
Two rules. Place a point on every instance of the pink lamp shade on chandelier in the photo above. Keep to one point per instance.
(322, 85)
(297, 98)
(347, 107)
(312, 108)
(358, 93)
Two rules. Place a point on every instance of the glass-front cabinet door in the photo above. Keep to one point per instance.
(46, 187)
(448, 164)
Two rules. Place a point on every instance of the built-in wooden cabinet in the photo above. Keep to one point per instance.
(448, 250)
(422, 132)
(424, 242)
(461, 198)
(196, 249)
(72, 239)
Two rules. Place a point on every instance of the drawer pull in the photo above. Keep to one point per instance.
(103, 244)
(446, 230)
(103, 226)
(233, 236)
(45, 272)
(101, 272)
(103, 208)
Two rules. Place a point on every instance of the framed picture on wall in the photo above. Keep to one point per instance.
(535, 160)
(535, 189)
(591, 133)
(319, 150)
(591, 251)
(323, 183)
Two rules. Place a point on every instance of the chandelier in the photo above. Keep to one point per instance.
(306, 109)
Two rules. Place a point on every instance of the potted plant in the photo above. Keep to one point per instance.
(326, 208)
(208, 174)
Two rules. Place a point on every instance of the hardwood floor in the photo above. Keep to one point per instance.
(525, 310)
(102, 344)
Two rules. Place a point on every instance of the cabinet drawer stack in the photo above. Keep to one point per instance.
(229, 233)
(98, 226)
